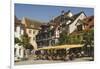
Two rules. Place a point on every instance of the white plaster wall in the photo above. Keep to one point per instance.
(72, 27)
(32, 35)
(22, 32)
(17, 33)
(70, 14)
(57, 33)
(33, 42)
(21, 53)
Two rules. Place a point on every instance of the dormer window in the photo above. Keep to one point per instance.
(69, 21)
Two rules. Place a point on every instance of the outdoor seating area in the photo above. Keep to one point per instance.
(63, 52)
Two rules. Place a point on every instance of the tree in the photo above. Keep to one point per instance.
(16, 40)
(88, 37)
(25, 41)
(63, 38)
(70, 39)
(75, 38)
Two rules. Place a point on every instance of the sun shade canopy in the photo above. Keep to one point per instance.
(60, 47)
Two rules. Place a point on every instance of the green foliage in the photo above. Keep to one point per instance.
(85, 37)
(16, 40)
(75, 39)
(70, 39)
(63, 38)
(88, 37)
(25, 40)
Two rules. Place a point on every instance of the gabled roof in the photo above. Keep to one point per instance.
(66, 17)
(89, 25)
(32, 23)
(89, 22)
(17, 22)
(74, 17)
(77, 15)
(58, 18)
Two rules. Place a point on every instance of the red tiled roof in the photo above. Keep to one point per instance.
(89, 22)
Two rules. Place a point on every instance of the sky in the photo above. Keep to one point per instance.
(45, 13)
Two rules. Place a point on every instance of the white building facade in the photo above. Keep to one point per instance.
(19, 50)
(31, 29)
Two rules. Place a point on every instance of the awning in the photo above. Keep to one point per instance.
(60, 47)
